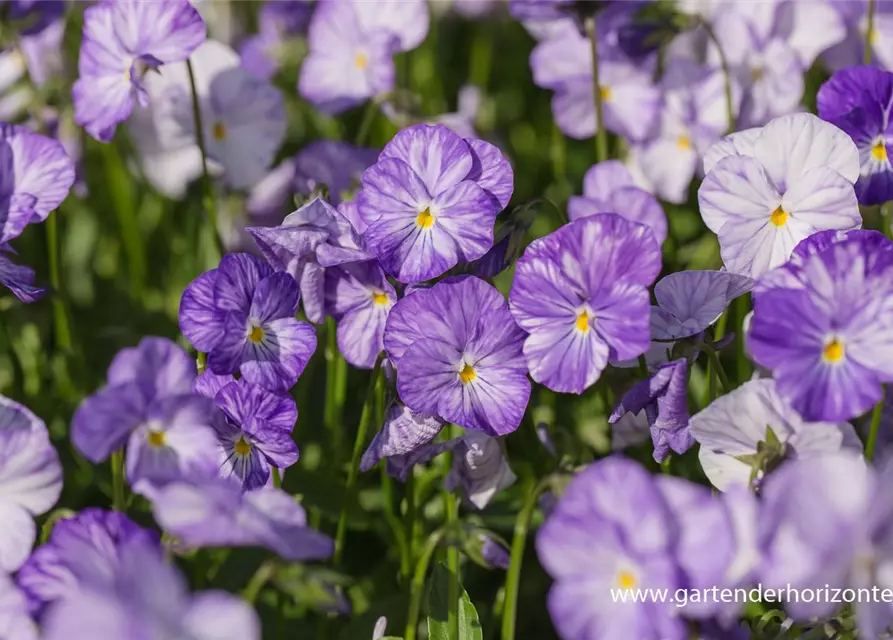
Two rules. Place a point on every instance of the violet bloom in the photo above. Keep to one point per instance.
(359, 297)
(467, 107)
(857, 100)
(825, 524)
(737, 447)
(403, 433)
(15, 621)
(121, 40)
(458, 355)
(146, 597)
(690, 301)
(307, 243)
(630, 100)
(148, 405)
(351, 49)
(35, 177)
(92, 536)
(217, 513)
(18, 279)
(582, 295)
(694, 116)
(431, 201)
(851, 51)
(277, 20)
(242, 314)
(827, 336)
(480, 469)
(608, 187)
(797, 180)
(253, 428)
(611, 530)
(337, 165)
(30, 480)
(663, 398)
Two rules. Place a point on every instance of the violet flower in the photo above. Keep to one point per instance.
(18, 279)
(277, 20)
(690, 301)
(15, 621)
(337, 165)
(242, 314)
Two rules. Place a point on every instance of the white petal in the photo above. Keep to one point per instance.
(740, 143)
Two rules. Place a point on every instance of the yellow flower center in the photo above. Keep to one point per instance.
(778, 217)
(582, 323)
(683, 142)
(879, 150)
(626, 580)
(605, 92)
(361, 60)
(219, 131)
(425, 219)
(833, 351)
(242, 447)
(156, 439)
(256, 335)
(467, 374)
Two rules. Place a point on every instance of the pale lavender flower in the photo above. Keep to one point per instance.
(404, 432)
(15, 621)
(851, 51)
(688, 302)
(479, 470)
(18, 279)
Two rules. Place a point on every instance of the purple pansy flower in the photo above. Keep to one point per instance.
(463, 119)
(767, 192)
(608, 187)
(582, 295)
(851, 50)
(732, 427)
(690, 301)
(93, 535)
(612, 529)
(277, 20)
(826, 331)
(217, 513)
(359, 297)
(480, 469)
(18, 279)
(15, 621)
(663, 398)
(458, 355)
(242, 314)
(349, 62)
(431, 201)
(403, 433)
(35, 177)
(149, 405)
(146, 597)
(121, 39)
(253, 428)
(858, 101)
(630, 99)
(309, 241)
(30, 480)
(337, 165)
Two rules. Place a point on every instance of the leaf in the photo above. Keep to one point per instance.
(438, 608)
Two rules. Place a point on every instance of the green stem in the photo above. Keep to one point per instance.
(869, 32)
(277, 479)
(742, 362)
(717, 368)
(118, 500)
(451, 505)
(873, 429)
(481, 56)
(886, 220)
(418, 584)
(260, 578)
(359, 443)
(727, 76)
(513, 576)
(369, 115)
(208, 201)
(121, 194)
(336, 390)
(601, 136)
(387, 490)
(411, 518)
(61, 323)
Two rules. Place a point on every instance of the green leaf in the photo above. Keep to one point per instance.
(438, 609)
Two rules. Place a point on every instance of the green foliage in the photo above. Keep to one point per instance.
(438, 609)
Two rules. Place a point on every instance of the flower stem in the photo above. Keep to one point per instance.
(601, 136)
(513, 576)
(365, 419)
(387, 490)
(369, 115)
(260, 578)
(727, 76)
(418, 584)
(452, 518)
(336, 390)
(61, 323)
(717, 368)
(742, 362)
(873, 429)
(206, 177)
(411, 524)
(277, 479)
(869, 32)
(122, 197)
(117, 463)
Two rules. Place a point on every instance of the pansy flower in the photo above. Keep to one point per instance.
(798, 180)
(253, 427)
(18, 279)
(690, 301)
(850, 50)
(30, 480)
(479, 469)
(581, 293)
(403, 433)
(148, 405)
(277, 20)
(858, 101)
(608, 187)
(15, 621)
(825, 331)
(121, 40)
(431, 201)
(309, 241)
(242, 314)
(218, 513)
(458, 355)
